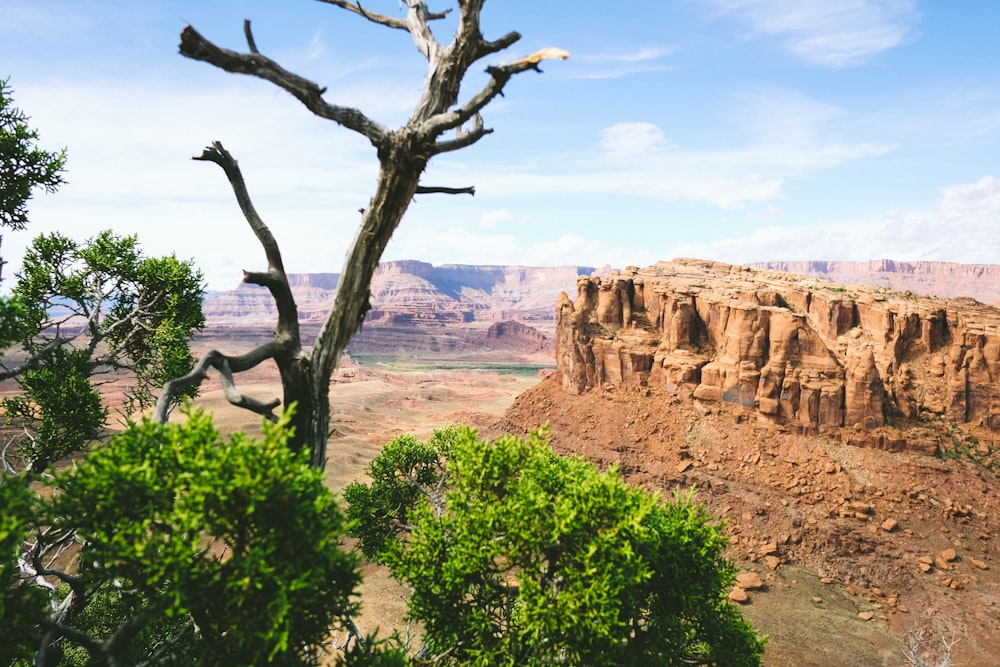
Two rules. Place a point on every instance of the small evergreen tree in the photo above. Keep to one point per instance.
(87, 309)
(196, 549)
(24, 167)
(517, 556)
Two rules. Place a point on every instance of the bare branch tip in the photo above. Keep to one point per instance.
(548, 53)
(250, 40)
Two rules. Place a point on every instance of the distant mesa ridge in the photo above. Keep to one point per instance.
(792, 369)
(797, 351)
(411, 291)
(403, 289)
(944, 279)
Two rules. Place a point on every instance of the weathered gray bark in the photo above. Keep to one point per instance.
(403, 155)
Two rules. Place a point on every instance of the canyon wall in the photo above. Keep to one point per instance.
(794, 350)
(412, 292)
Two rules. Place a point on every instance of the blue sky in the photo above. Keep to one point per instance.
(734, 130)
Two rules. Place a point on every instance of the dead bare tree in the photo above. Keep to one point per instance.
(403, 154)
(918, 652)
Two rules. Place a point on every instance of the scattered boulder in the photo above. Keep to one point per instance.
(749, 581)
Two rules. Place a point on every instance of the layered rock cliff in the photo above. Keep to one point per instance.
(793, 350)
(408, 292)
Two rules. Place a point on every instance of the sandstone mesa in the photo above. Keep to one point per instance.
(796, 351)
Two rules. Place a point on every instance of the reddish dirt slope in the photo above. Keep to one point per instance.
(855, 547)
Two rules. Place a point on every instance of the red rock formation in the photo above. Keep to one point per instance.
(797, 351)
(510, 334)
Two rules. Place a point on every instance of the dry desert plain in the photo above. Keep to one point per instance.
(372, 404)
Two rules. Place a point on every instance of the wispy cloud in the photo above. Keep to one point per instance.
(317, 46)
(792, 130)
(632, 138)
(610, 65)
(779, 136)
(490, 219)
(463, 245)
(642, 54)
(961, 228)
(129, 168)
(829, 33)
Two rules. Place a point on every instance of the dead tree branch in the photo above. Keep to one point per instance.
(437, 189)
(499, 76)
(275, 280)
(917, 652)
(226, 366)
(196, 47)
(403, 155)
(381, 19)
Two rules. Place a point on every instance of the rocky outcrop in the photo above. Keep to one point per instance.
(793, 350)
(510, 334)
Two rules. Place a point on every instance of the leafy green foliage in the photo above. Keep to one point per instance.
(168, 638)
(88, 308)
(64, 404)
(240, 536)
(168, 294)
(21, 605)
(517, 556)
(12, 315)
(23, 166)
(380, 513)
(144, 310)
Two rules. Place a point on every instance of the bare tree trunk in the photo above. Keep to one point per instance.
(398, 181)
(403, 155)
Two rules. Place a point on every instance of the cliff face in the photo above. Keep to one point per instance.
(796, 351)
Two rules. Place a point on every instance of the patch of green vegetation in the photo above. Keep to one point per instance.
(966, 447)
(843, 290)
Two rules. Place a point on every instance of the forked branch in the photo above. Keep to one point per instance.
(275, 279)
(499, 76)
(195, 46)
(225, 366)
(381, 19)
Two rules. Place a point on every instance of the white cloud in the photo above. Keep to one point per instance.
(641, 54)
(317, 47)
(972, 201)
(129, 168)
(722, 192)
(462, 245)
(964, 227)
(830, 33)
(491, 219)
(616, 65)
(787, 136)
(629, 139)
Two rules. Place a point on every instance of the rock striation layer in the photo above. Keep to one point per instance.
(794, 350)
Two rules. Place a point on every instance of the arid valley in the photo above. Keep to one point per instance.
(845, 433)
(850, 534)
